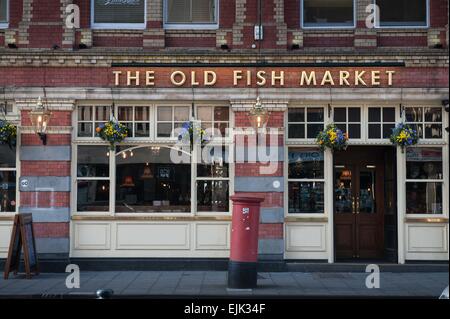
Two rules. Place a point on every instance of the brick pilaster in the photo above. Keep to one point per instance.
(281, 40)
(154, 35)
(365, 38)
(238, 26)
(25, 23)
(68, 37)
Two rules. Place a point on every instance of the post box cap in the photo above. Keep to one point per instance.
(247, 199)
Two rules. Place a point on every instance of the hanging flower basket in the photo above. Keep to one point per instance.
(192, 133)
(8, 133)
(332, 138)
(404, 135)
(113, 132)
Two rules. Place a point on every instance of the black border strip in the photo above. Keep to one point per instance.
(260, 64)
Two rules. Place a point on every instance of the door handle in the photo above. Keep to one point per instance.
(353, 205)
(357, 205)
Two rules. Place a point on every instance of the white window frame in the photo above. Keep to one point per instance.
(134, 122)
(17, 170)
(118, 26)
(173, 106)
(423, 122)
(379, 26)
(305, 107)
(318, 180)
(363, 121)
(382, 107)
(191, 26)
(302, 24)
(93, 121)
(151, 141)
(214, 122)
(443, 181)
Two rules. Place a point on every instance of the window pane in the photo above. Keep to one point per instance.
(190, 11)
(215, 162)
(164, 130)
(403, 12)
(125, 113)
(165, 113)
(418, 128)
(374, 130)
(142, 130)
(129, 126)
(142, 113)
(119, 11)
(92, 196)
(221, 114)
(354, 114)
(315, 114)
(423, 198)
(212, 196)
(306, 198)
(102, 113)
(296, 115)
(340, 114)
(306, 163)
(93, 161)
(354, 131)
(387, 130)
(85, 130)
(433, 131)
(85, 113)
(3, 12)
(374, 114)
(414, 114)
(203, 11)
(296, 131)
(328, 12)
(222, 128)
(205, 113)
(388, 114)
(181, 113)
(7, 156)
(178, 11)
(424, 163)
(148, 181)
(7, 191)
(433, 114)
(314, 129)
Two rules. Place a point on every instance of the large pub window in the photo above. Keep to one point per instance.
(8, 178)
(149, 172)
(118, 14)
(328, 13)
(381, 122)
(424, 180)
(306, 180)
(4, 13)
(403, 13)
(348, 119)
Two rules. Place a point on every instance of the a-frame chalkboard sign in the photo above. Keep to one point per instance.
(22, 238)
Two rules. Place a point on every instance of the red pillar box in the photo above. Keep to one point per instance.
(242, 268)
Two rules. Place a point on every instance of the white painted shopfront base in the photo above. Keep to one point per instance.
(168, 239)
(426, 241)
(5, 237)
(306, 241)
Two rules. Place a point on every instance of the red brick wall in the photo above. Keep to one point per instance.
(270, 231)
(117, 42)
(15, 13)
(45, 199)
(58, 118)
(438, 13)
(271, 199)
(51, 230)
(292, 13)
(45, 168)
(46, 10)
(311, 41)
(253, 169)
(85, 13)
(404, 41)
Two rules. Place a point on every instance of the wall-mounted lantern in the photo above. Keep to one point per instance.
(40, 118)
(258, 115)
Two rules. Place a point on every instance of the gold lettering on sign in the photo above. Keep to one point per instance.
(237, 75)
(376, 78)
(308, 79)
(327, 78)
(390, 77)
(117, 77)
(279, 78)
(173, 78)
(194, 81)
(150, 78)
(134, 78)
(210, 78)
(261, 76)
(249, 78)
(343, 78)
(359, 79)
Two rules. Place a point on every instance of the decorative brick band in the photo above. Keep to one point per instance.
(45, 199)
(271, 199)
(51, 230)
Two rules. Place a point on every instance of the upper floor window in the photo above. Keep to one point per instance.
(305, 122)
(3, 13)
(186, 14)
(403, 13)
(348, 119)
(118, 14)
(328, 13)
(381, 122)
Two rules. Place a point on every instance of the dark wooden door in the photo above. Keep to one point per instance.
(358, 203)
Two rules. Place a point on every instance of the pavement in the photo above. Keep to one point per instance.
(214, 283)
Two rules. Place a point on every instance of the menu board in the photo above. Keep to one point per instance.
(22, 239)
